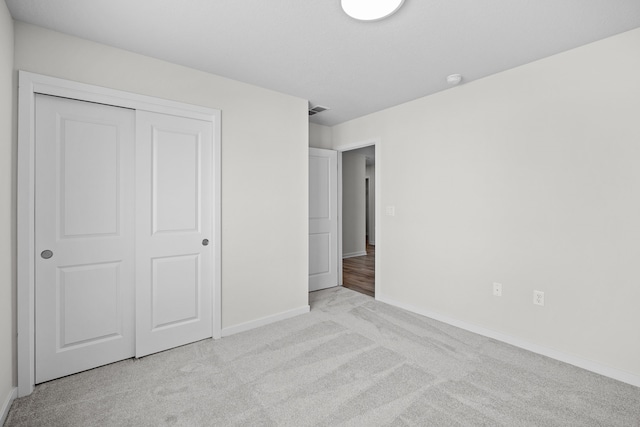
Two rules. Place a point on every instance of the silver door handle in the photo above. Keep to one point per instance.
(46, 254)
(205, 242)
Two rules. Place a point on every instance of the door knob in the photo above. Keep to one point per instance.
(46, 254)
(205, 242)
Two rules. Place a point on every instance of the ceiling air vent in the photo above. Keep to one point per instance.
(317, 109)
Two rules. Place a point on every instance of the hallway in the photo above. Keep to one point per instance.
(358, 273)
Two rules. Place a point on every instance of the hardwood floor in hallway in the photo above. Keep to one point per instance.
(358, 273)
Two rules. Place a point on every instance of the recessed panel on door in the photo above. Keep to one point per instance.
(88, 304)
(176, 180)
(320, 246)
(84, 221)
(176, 290)
(319, 187)
(90, 178)
(174, 158)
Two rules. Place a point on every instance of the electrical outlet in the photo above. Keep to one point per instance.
(538, 297)
(390, 211)
(497, 289)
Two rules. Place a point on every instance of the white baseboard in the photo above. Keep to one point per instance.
(4, 411)
(372, 242)
(589, 365)
(242, 327)
(354, 254)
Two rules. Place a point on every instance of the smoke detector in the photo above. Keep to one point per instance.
(454, 79)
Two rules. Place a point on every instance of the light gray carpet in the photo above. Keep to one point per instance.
(351, 361)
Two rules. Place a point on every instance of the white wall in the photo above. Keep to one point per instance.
(353, 204)
(371, 174)
(264, 162)
(531, 178)
(319, 136)
(7, 209)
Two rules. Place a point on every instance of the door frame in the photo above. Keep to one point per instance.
(377, 142)
(30, 84)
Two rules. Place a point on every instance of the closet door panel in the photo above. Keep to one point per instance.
(84, 198)
(174, 227)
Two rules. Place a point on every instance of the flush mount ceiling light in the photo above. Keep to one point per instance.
(370, 10)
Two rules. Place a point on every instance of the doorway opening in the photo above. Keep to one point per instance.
(358, 219)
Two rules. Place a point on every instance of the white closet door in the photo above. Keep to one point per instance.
(323, 219)
(174, 227)
(84, 221)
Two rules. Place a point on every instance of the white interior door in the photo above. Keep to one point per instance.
(174, 225)
(323, 219)
(84, 221)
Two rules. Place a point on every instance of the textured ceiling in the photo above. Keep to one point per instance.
(312, 50)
